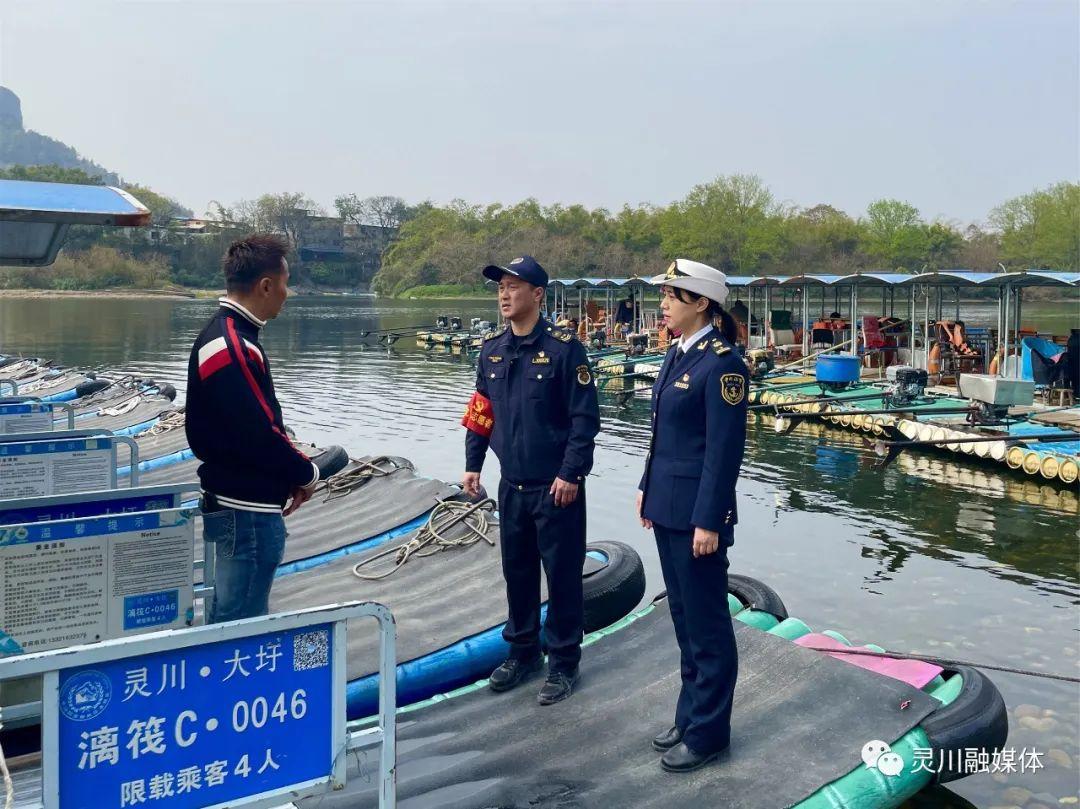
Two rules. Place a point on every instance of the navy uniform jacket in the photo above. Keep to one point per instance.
(698, 437)
(545, 407)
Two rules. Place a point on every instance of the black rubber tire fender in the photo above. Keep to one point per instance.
(331, 461)
(757, 595)
(614, 589)
(91, 387)
(168, 391)
(976, 719)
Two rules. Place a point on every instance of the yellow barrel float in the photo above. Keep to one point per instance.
(909, 429)
(1049, 467)
(1015, 457)
(1032, 462)
(1069, 471)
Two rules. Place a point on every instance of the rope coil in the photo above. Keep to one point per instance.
(172, 420)
(432, 539)
(352, 478)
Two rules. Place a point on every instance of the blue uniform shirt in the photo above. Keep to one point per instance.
(545, 406)
(698, 437)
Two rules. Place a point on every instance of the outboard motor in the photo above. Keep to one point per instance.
(993, 396)
(760, 362)
(442, 322)
(639, 344)
(455, 324)
(908, 384)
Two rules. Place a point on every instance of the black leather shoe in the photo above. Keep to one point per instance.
(512, 672)
(662, 742)
(559, 686)
(681, 758)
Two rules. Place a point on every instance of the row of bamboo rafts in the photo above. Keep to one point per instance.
(1050, 461)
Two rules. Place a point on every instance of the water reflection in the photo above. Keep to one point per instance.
(928, 554)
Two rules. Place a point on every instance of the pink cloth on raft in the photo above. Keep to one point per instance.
(913, 672)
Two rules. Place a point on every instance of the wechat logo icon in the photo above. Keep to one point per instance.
(877, 755)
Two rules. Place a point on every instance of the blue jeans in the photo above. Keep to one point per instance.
(249, 547)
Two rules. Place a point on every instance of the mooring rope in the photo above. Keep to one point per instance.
(9, 786)
(945, 662)
(432, 539)
(348, 480)
(121, 409)
(172, 420)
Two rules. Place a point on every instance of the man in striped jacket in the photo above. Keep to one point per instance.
(252, 476)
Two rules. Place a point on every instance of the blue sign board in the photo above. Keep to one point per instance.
(197, 726)
(120, 502)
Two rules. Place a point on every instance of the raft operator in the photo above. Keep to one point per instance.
(536, 406)
(250, 469)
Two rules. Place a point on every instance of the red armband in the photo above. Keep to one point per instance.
(479, 416)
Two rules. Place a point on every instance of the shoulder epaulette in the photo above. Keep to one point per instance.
(491, 335)
(719, 347)
(560, 333)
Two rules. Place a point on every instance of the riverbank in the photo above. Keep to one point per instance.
(119, 294)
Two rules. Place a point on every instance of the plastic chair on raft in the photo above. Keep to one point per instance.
(952, 354)
(782, 335)
(876, 343)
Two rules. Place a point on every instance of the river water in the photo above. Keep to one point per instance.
(928, 555)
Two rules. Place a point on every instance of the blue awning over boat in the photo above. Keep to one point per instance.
(35, 216)
(946, 278)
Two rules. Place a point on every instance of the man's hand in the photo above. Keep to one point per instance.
(300, 495)
(565, 493)
(470, 482)
(705, 542)
(645, 523)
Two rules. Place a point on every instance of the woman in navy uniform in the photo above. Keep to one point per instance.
(687, 497)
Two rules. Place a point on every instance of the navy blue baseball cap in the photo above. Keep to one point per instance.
(524, 267)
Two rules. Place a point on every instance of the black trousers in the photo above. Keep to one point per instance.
(533, 531)
(697, 597)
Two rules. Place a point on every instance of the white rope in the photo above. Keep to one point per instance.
(121, 409)
(9, 786)
(172, 420)
(431, 539)
(349, 479)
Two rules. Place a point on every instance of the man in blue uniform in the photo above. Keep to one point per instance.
(535, 404)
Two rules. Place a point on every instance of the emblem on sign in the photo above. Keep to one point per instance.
(583, 375)
(85, 696)
(733, 388)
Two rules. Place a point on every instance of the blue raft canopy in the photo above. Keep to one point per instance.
(34, 217)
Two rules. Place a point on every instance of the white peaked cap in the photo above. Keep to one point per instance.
(693, 276)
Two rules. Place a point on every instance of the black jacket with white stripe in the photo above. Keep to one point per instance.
(234, 423)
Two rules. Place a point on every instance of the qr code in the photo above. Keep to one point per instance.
(311, 650)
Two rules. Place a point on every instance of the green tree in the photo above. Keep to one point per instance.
(895, 235)
(1041, 229)
(50, 174)
(732, 223)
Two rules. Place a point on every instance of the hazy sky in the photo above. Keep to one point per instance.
(953, 106)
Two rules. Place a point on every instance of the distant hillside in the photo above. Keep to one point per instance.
(24, 147)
